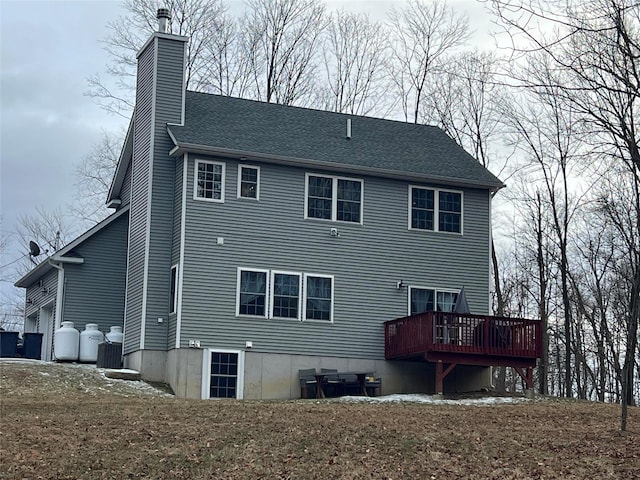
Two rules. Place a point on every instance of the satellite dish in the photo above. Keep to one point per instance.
(34, 249)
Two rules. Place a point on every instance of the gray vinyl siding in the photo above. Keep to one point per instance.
(168, 110)
(366, 261)
(139, 195)
(125, 191)
(175, 250)
(42, 295)
(152, 187)
(94, 290)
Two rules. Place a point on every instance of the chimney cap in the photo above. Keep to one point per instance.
(164, 13)
(164, 20)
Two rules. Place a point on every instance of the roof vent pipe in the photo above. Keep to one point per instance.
(164, 20)
(348, 129)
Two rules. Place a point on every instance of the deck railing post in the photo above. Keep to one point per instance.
(485, 335)
(439, 378)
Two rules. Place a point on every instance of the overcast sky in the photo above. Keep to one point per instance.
(47, 124)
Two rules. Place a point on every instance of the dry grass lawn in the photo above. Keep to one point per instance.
(68, 422)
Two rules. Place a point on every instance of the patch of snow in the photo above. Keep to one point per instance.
(124, 370)
(90, 369)
(21, 360)
(432, 399)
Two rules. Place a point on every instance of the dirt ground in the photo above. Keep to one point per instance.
(70, 422)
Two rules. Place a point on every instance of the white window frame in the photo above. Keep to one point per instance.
(206, 372)
(240, 167)
(435, 295)
(272, 284)
(334, 198)
(304, 301)
(173, 283)
(436, 209)
(266, 296)
(195, 181)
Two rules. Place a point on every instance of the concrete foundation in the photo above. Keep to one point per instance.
(268, 376)
(150, 363)
(184, 371)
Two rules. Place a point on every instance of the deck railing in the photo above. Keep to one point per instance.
(464, 334)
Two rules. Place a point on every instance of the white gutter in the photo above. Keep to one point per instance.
(182, 148)
(70, 260)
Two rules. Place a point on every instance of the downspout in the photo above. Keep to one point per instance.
(59, 292)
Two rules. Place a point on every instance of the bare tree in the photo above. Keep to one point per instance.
(422, 34)
(621, 206)
(200, 20)
(228, 70)
(51, 229)
(283, 38)
(11, 303)
(93, 178)
(354, 62)
(468, 102)
(545, 129)
(595, 45)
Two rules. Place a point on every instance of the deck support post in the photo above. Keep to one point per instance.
(527, 376)
(441, 373)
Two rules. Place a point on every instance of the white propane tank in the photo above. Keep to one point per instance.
(89, 340)
(115, 335)
(66, 342)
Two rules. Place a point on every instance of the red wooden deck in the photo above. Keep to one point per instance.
(465, 339)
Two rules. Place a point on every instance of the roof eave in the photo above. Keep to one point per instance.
(34, 274)
(123, 163)
(43, 267)
(183, 147)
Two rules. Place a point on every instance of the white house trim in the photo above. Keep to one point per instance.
(436, 209)
(223, 174)
(239, 186)
(59, 295)
(272, 294)
(183, 229)
(304, 299)
(435, 294)
(334, 198)
(267, 304)
(206, 372)
(348, 169)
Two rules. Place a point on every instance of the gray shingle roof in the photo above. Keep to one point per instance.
(315, 136)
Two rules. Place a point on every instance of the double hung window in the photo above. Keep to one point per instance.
(223, 381)
(435, 210)
(285, 295)
(248, 182)
(278, 294)
(318, 298)
(449, 211)
(333, 198)
(252, 292)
